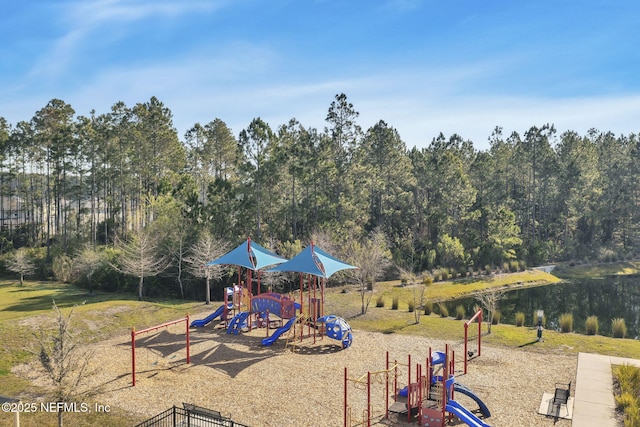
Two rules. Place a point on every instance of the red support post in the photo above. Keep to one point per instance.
(479, 332)
(133, 357)
(466, 345)
(188, 341)
(445, 375)
(409, 389)
(345, 396)
(478, 316)
(387, 388)
(368, 399)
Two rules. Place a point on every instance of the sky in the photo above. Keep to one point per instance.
(425, 67)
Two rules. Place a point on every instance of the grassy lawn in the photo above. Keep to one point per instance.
(24, 309)
(347, 303)
(597, 270)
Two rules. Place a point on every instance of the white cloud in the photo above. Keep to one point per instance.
(238, 82)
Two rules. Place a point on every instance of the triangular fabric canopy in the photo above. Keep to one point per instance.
(249, 255)
(313, 260)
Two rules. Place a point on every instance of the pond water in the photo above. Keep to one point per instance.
(606, 298)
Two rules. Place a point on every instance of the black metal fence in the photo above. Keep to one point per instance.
(189, 416)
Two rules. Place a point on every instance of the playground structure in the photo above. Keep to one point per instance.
(135, 333)
(318, 266)
(263, 307)
(428, 397)
(256, 309)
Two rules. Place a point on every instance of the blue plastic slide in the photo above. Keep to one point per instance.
(459, 388)
(276, 334)
(203, 322)
(464, 414)
(238, 322)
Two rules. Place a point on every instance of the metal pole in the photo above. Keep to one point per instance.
(409, 389)
(345, 396)
(188, 341)
(479, 332)
(466, 346)
(133, 356)
(387, 388)
(368, 399)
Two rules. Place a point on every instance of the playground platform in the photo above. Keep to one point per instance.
(594, 405)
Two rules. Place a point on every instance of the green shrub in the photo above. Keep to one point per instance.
(514, 266)
(505, 267)
(496, 317)
(487, 269)
(619, 328)
(523, 265)
(566, 322)
(632, 416)
(445, 274)
(628, 377)
(624, 401)
(427, 280)
(591, 325)
(444, 311)
(519, 318)
(394, 303)
(380, 301)
(460, 312)
(428, 308)
(411, 305)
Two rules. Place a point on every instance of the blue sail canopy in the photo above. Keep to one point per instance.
(313, 260)
(249, 255)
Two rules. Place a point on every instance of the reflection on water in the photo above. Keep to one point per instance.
(607, 298)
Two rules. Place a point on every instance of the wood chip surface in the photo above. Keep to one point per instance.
(275, 386)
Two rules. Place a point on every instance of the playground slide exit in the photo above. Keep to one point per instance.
(459, 388)
(464, 414)
(276, 334)
(203, 322)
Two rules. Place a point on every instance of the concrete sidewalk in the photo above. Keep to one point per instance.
(594, 405)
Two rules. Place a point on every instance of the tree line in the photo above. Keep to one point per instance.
(68, 183)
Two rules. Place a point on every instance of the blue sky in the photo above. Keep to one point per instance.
(425, 67)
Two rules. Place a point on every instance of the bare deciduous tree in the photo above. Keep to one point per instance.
(139, 257)
(489, 300)
(64, 361)
(22, 263)
(62, 268)
(418, 291)
(87, 262)
(206, 249)
(372, 257)
(323, 239)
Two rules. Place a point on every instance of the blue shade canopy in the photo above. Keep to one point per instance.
(313, 260)
(249, 255)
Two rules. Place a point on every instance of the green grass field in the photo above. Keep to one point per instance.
(25, 309)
